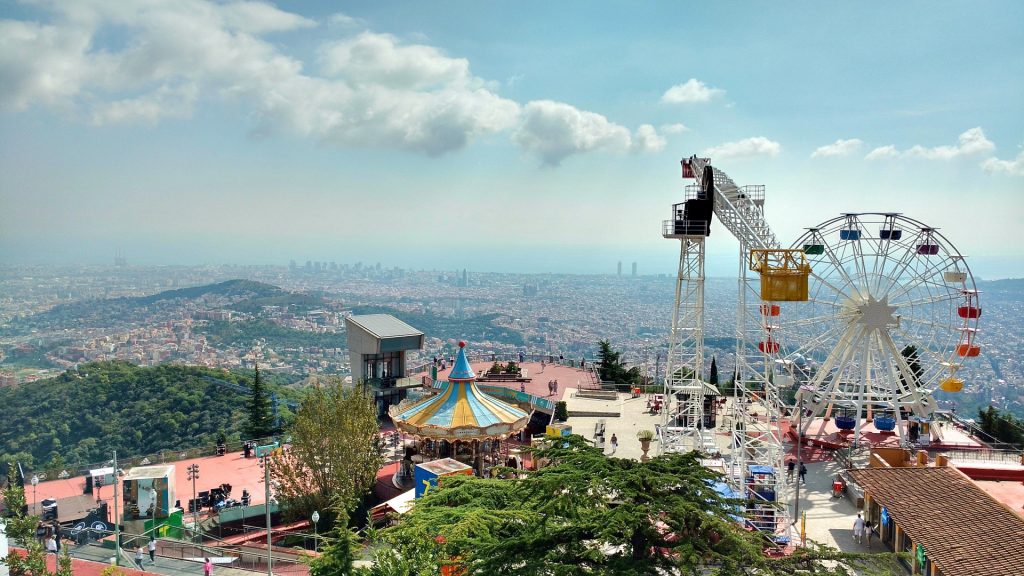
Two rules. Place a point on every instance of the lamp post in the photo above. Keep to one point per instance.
(117, 518)
(193, 475)
(35, 482)
(315, 518)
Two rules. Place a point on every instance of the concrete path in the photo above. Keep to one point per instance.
(171, 566)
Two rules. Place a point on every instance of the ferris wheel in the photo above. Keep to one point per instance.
(891, 316)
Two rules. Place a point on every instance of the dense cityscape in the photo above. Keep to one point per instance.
(54, 318)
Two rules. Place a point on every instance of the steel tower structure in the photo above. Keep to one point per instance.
(757, 408)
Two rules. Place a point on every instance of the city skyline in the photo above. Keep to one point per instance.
(528, 138)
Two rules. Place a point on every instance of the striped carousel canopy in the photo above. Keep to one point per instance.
(460, 411)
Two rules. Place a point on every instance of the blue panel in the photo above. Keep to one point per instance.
(759, 469)
(445, 412)
(484, 416)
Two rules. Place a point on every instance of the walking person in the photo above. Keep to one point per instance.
(51, 545)
(152, 549)
(555, 383)
(207, 567)
(803, 473)
(858, 529)
(790, 466)
(615, 443)
(138, 556)
(867, 531)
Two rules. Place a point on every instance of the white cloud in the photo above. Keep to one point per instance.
(257, 17)
(342, 20)
(692, 91)
(838, 148)
(372, 89)
(555, 130)
(673, 128)
(1013, 167)
(882, 152)
(647, 139)
(970, 142)
(756, 146)
(380, 59)
(167, 101)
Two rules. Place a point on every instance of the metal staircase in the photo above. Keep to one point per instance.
(756, 405)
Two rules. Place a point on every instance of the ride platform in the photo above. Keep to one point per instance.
(824, 433)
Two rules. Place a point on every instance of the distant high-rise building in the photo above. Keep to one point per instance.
(465, 277)
(292, 266)
(634, 269)
(620, 267)
(119, 260)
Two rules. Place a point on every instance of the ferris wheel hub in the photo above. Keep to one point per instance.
(875, 314)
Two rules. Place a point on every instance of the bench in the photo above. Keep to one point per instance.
(485, 377)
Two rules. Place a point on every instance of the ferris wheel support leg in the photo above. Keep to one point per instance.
(865, 385)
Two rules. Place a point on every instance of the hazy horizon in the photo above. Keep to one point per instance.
(192, 132)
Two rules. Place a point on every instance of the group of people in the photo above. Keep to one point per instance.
(140, 554)
(552, 387)
(862, 528)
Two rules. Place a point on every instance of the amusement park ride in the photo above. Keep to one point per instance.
(867, 314)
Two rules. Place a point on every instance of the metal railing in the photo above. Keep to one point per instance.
(986, 455)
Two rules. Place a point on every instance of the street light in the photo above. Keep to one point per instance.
(315, 518)
(35, 482)
(193, 475)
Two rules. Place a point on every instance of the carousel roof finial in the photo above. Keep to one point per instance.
(462, 370)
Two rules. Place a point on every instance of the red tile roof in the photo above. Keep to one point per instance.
(964, 531)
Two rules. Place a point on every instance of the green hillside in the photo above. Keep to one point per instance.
(81, 415)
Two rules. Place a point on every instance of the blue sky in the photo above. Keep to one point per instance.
(529, 136)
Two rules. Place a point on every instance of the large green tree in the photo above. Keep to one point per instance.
(611, 368)
(586, 514)
(1001, 425)
(260, 423)
(20, 527)
(334, 454)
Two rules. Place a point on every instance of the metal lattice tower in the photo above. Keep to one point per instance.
(757, 437)
(682, 426)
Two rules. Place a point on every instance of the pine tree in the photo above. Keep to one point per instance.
(713, 374)
(261, 420)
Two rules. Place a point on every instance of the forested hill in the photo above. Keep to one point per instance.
(81, 415)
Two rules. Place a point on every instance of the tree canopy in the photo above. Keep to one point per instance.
(611, 368)
(260, 421)
(334, 454)
(82, 415)
(586, 514)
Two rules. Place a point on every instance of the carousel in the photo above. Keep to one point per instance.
(459, 422)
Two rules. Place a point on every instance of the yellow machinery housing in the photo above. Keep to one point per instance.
(783, 274)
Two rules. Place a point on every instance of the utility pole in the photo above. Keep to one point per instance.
(117, 517)
(265, 464)
(799, 445)
(193, 475)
